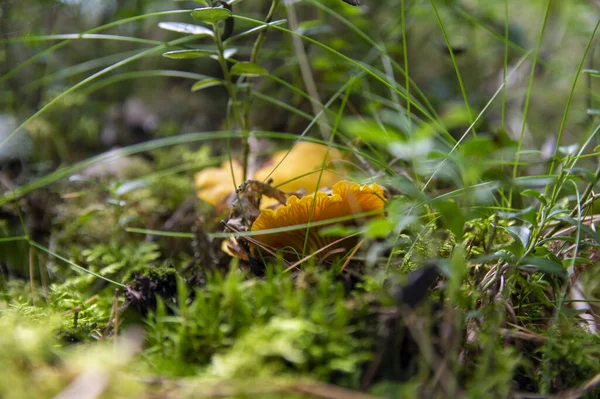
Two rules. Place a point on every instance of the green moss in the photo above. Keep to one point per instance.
(264, 325)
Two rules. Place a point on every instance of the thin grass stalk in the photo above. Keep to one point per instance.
(528, 94)
(570, 100)
(455, 65)
(331, 138)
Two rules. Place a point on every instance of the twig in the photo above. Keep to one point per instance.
(319, 251)
(581, 391)
(349, 258)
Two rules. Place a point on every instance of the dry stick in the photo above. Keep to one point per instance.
(251, 240)
(113, 313)
(588, 387)
(32, 274)
(307, 257)
(354, 251)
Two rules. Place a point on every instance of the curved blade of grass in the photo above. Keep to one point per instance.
(570, 99)
(547, 366)
(163, 73)
(512, 45)
(104, 71)
(378, 75)
(74, 265)
(455, 65)
(301, 226)
(79, 68)
(334, 131)
(284, 105)
(529, 89)
(93, 30)
(494, 96)
(10, 239)
(148, 146)
(381, 162)
(81, 36)
(159, 233)
(316, 119)
(256, 29)
(383, 52)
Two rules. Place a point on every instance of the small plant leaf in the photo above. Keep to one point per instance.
(206, 83)
(230, 52)
(520, 235)
(186, 28)
(248, 69)
(534, 193)
(227, 54)
(183, 54)
(528, 215)
(379, 228)
(451, 215)
(211, 15)
(544, 265)
(586, 174)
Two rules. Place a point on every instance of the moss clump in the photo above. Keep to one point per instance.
(267, 326)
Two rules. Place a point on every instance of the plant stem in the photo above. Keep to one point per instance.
(230, 87)
(248, 91)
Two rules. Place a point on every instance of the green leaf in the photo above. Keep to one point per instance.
(228, 53)
(544, 265)
(594, 72)
(586, 174)
(520, 235)
(478, 147)
(534, 193)
(451, 216)
(186, 28)
(337, 230)
(314, 27)
(379, 228)
(248, 69)
(568, 149)
(184, 54)
(371, 131)
(206, 83)
(407, 150)
(211, 15)
(528, 215)
(578, 261)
